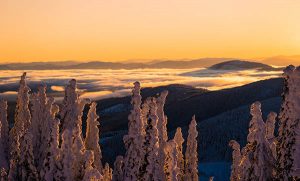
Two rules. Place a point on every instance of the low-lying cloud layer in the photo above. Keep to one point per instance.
(99, 84)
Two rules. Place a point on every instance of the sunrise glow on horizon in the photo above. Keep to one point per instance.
(118, 30)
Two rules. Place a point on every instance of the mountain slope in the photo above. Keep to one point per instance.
(203, 104)
(221, 115)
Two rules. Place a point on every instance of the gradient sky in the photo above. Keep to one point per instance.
(112, 30)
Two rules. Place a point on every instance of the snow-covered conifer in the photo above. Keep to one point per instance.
(162, 129)
(91, 141)
(118, 169)
(4, 135)
(257, 158)
(49, 169)
(70, 99)
(107, 173)
(180, 163)
(191, 156)
(236, 159)
(90, 173)
(43, 116)
(288, 150)
(78, 143)
(71, 119)
(27, 167)
(14, 159)
(135, 138)
(67, 158)
(22, 115)
(270, 127)
(150, 168)
(171, 170)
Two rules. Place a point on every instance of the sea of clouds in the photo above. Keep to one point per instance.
(99, 84)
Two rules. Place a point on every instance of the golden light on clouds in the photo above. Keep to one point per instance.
(113, 30)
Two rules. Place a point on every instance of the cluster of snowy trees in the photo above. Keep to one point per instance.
(46, 141)
(266, 156)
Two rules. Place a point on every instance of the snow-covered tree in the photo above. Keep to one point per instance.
(150, 167)
(118, 169)
(257, 158)
(4, 136)
(67, 158)
(236, 159)
(27, 167)
(43, 115)
(49, 169)
(71, 119)
(78, 152)
(135, 138)
(171, 170)
(68, 108)
(21, 124)
(22, 115)
(107, 173)
(162, 129)
(91, 141)
(191, 156)
(180, 160)
(270, 127)
(288, 149)
(90, 173)
(14, 159)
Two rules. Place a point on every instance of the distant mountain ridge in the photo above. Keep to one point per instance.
(172, 64)
(242, 65)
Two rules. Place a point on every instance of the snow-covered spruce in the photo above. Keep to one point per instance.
(162, 130)
(118, 169)
(67, 108)
(236, 159)
(171, 169)
(270, 128)
(135, 138)
(91, 173)
(191, 156)
(288, 148)
(107, 173)
(43, 115)
(180, 159)
(150, 167)
(91, 141)
(4, 136)
(22, 119)
(256, 158)
(49, 168)
(22, 122)
(26, 164)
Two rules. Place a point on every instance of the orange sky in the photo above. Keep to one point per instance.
(51, 30)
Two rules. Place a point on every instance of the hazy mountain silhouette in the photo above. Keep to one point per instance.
(178, 64)
(231, 66)
(242, 65)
